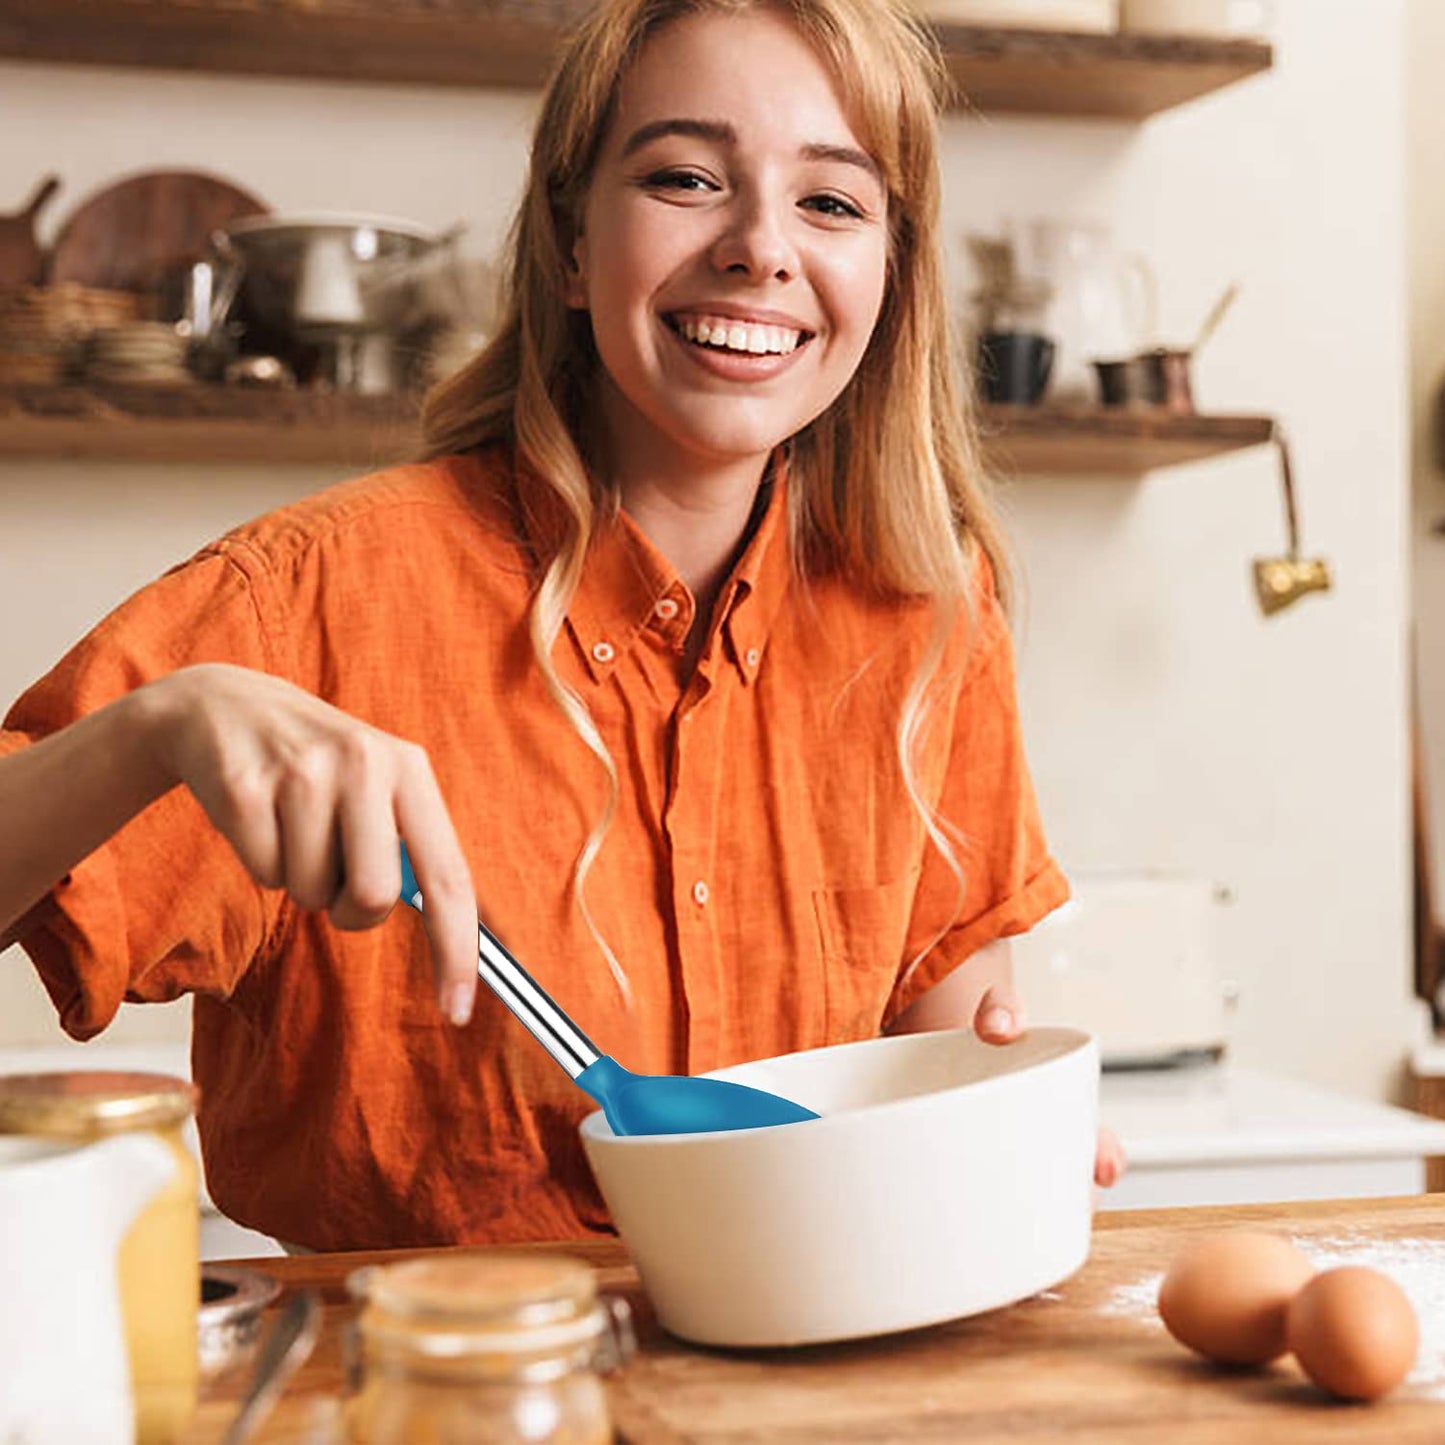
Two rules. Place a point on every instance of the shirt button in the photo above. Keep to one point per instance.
(603, 652)
(700, 893)
(753, 657)
(666, 609)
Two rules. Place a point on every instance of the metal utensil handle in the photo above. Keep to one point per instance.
(285, 1349)
(532, 1004)
(516, 988)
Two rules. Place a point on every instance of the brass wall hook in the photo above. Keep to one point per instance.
(1279, 581)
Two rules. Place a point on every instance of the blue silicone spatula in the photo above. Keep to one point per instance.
(633, 1103)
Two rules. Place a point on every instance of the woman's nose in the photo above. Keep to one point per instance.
(756, 243)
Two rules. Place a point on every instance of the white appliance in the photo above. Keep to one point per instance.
(1134, 958)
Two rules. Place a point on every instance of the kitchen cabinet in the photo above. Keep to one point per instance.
(212, 423)
(1087, 1361)
(511, 43)
(1217, 1133)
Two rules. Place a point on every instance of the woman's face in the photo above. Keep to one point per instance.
(733, 245)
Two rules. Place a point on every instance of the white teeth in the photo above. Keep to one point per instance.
(739, 336)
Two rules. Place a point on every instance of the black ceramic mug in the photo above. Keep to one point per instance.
(1014, 366)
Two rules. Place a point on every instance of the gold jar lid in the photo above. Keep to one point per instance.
(86, 1103)
(459, 1303)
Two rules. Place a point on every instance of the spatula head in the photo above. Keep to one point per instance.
(677, 1104)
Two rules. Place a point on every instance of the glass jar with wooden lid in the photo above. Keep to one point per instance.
(496, 1346)
(159, 1257)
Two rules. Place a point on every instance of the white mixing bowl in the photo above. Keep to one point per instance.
(946, 1177)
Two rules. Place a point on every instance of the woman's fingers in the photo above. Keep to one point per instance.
(245, 813)
(366, 816)
(1110, 1161)
(312, 800)
(450, 900)
(999, 1020)
(306, 818)
(999, 1016)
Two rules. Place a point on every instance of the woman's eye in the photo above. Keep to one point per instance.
(679, 181)
(834, 206)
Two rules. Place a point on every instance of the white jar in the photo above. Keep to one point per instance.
(1195, 17)
(1077, 15)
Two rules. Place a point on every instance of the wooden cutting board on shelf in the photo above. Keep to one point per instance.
(130, 235)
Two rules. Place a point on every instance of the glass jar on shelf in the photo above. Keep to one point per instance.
(507, 1347)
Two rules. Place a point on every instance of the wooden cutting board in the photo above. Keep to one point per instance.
(130, 235)
(1086, 1362)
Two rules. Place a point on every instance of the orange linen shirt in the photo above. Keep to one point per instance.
(764, 884)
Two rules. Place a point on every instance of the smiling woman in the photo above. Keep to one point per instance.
(682, 653)
(767, 230)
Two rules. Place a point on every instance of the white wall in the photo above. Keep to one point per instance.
(1170, 725)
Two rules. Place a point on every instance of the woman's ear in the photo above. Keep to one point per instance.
(576, 289)
(567, 228)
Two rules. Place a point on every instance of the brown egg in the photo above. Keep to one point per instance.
(1226, 1295)
(1354, 1331)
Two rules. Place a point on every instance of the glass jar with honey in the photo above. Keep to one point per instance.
(503, 1347)
(159, 1257)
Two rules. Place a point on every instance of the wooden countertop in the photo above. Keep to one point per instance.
(1062, 1364)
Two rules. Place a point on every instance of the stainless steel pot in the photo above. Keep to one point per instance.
(318, 273)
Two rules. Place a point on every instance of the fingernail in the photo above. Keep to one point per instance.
(457, 1002)
(998, 1021)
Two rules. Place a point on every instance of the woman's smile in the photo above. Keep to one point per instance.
(736, 350)
(732, 333)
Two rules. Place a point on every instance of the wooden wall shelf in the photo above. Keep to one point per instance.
(218, 424)
(511, 43)
(1123, 77)
(205, 424)
(1068, 441)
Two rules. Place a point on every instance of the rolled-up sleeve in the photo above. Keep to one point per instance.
(165, 906)
(1005, 880)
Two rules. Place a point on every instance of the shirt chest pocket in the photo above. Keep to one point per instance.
(861, 937)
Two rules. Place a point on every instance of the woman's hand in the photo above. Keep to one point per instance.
(314, 801)
(980, 993)
(999, 1020)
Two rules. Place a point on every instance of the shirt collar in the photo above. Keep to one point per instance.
(628, 586)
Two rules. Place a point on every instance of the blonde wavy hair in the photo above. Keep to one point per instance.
(884, 487)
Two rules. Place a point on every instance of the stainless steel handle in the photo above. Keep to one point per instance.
(285, 1349)
(516, 988)
(532, 1004)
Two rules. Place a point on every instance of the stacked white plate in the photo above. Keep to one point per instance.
(148, 352)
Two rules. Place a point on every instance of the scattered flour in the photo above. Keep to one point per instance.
(1416, 1265)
